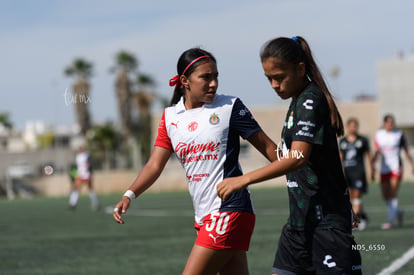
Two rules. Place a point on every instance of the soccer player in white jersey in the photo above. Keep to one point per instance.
(83, 176)
(388, 143)
(203, 129)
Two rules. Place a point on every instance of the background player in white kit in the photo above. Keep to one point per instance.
(203, 129)
(83, 176)
(388, 143)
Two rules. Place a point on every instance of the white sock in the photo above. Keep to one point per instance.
(73, 198)
(94, 199)
(393, 209)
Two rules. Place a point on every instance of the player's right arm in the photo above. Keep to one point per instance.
(144, 180)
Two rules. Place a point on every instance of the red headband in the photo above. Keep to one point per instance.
(174, 80)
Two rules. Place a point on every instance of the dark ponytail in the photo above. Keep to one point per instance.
(186, 64)
(293, 51)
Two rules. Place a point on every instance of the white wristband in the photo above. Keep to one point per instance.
(130, 194)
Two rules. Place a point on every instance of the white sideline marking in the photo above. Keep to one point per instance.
(398, 263)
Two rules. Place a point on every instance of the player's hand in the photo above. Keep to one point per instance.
(120, 209)
(230, 185)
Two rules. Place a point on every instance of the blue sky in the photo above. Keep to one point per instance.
(38, 39)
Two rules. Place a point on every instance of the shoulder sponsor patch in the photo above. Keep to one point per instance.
(308, 104)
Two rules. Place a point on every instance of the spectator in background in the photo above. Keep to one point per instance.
(83, 176)
(353, 147)
(388, 143)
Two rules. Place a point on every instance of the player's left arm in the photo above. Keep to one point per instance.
(408, 155)
(375, 156)
(370, 159)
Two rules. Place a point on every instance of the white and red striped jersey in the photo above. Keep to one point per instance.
(206, 142)
(390, 144)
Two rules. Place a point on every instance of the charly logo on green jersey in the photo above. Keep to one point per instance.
(308, 104)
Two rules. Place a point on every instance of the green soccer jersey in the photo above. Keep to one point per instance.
(317, 192)
(353, 153)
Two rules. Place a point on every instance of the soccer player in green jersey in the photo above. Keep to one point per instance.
(318, 235)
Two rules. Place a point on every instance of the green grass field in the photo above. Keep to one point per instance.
(40, 236)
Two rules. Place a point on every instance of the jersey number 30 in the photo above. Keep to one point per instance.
(220, 221)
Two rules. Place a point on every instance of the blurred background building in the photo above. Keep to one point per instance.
(395, 90)
(24, 156)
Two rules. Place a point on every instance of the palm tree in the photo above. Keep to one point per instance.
(5, 121)
(143, 98)
(126, 63)
(5, 129)
(82, 70)
(103, 142)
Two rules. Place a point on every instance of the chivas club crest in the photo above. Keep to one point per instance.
(214, 119)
